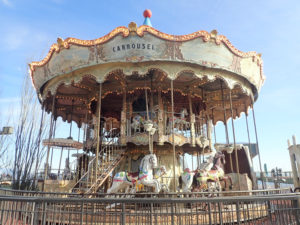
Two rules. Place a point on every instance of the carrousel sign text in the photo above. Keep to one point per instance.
(129, 46)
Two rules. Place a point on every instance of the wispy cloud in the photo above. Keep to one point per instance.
(58, 1)
(15, 79)
(7, 3)
(14, 38)
(9, 100)
(23, 37)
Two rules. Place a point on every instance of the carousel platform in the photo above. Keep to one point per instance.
(262, 207)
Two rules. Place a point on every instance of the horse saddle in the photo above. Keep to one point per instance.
(132, 177)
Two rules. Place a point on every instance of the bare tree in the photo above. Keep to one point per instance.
(5, 144)
(29, 133)
(6, 141)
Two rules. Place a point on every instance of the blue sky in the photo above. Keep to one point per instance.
(28, 28)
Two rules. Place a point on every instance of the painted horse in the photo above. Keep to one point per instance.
(205, 178)
(179, 122)
(138, 123)
(144, 176)
(186, 179)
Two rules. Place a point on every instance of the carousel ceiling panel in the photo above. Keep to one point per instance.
(143, 50)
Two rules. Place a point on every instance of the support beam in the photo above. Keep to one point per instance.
(173, 136)
(213, 122)
(60, 158)
(225, 124)
(209, 131)
(257, 147)
(123, 119)
(234, 142)
(98, 130)
(192, 121)
(38, 151)
(48, 147)
(160, 119)
(248, 133)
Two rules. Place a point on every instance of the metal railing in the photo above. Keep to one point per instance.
(257, 193)
(272, 209)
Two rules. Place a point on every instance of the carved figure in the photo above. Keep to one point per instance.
(137, 123)
(209, 175)
(186, 180)
(214, 175)
(179, 122)
(145, 176)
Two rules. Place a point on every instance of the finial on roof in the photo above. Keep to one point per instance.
(132, 27)
(147, 14)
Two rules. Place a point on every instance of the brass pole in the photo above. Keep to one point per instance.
(71, 119)
(246, 116)
(225, 124)
(173, 136)
(97, 130)
(225, 116)
(39, 141)
(48, 147)
(234, 142)
(146, 97)
(213, 121)
(61, 153)
(147, 112)
(52, 149)
(192, 121)
(257, 148)
(84, 139)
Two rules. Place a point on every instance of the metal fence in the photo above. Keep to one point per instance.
(12, 192)
(271, 209)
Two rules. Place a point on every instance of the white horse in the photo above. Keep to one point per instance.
(207, 177)
(186, 180)
(179, 122)
(144, 176)
(137, 123)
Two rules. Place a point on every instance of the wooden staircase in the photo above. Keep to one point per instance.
(110, 155)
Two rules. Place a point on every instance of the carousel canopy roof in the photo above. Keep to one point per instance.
(133, 58)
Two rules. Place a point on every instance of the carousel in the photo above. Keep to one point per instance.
(148, 103)
(145, 108)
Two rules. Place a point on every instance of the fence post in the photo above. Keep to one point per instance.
(35, 214)
(295, 210)
(44, 213)
(269, 210)
(3, 208)
(237, 205)
(81, 214)
(172, 213)
(220, 213)
(123, 216)
(209, 213)
(151, 213)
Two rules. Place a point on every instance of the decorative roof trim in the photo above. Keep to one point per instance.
(140, 31)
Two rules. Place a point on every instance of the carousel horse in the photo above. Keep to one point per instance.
(213, 176)
(158, 173)
(186, 179)
(179, 122)
(137, 123)
(144, 176)
(210, 173)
